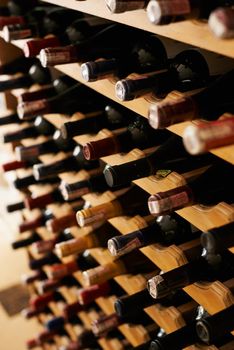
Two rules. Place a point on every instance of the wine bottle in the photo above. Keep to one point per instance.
(30, 312)
(10, 208)
(103, 325)
(49, 259)
(166, 230)
(74, 99)
(11, 118)
(44, 91)
(170, 155)
(18, 7)
(141, 300)
(136, 135)
(39, 22)
(130, 263)
(15, 164)
(131, 202)
(218, 238)
(49, 285)
(41, 301)
(216, 180)
(208, 104)
(95, 183)
(221, 22)
(32, 202)
(87, 295)
(44, 337)
(85, 340)
(59, 322)
(202, 137)
(211, 328)
(75, 162)
(58, 270)
(112, 116)
(97, 238)
(36, 275)
(39, 127)
(145, 54)
(21, 183)
(55, 225)
(19, 64)
(78, 31)
(52, 145)
(187, 71)
(47, 246)
(34, 237)
(4, 11)
(107, 43)
(205, 268)
(165, 12)
(36, 74)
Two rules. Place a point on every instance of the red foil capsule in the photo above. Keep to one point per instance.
(89, 294)
(33, 47)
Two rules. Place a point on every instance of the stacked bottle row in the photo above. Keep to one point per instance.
(159, 66)
(219, 14)
(66, 257)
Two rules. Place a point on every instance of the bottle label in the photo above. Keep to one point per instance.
(162, 174)
(104, 325)
(217, 133)
(55, 56)
(159, 205)
(128, 247)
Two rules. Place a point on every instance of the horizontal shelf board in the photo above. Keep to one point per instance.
(194, 33)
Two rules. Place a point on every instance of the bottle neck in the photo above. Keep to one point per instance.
(218, 239)
(87, 125)
(46, 91)
(10, 119)
(25, 242)
(21, 134)
(16, 83)
(44, 200)
(26, 153)
(129, 204)
(44, 171)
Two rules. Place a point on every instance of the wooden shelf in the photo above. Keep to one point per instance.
(191, 32)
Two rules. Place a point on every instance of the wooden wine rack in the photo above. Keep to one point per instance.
(212, 296)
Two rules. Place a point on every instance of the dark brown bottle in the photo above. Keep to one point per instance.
(21, 183)
(211, 328)
(166, 230)
(171, 155)
(77, 98)
(52, 145)
(209, 188)
(75, 162)
(137, 135)
(136, 302)
(205, 268)
(77, 31)
(209, 104)
(109, 42)
(131, 202)
(39, 127)
(131, 263)
(112, 116)
(97, 238)
(36, 74)
(218, 239)
(145, 54)
(187, 71)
